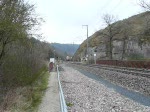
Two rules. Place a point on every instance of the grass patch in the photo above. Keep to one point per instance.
(39, 88)
(31, 96)
(69, 104)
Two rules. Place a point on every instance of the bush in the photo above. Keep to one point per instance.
(28, 98)
(135, 56)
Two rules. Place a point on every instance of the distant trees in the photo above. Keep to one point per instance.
(109, 33)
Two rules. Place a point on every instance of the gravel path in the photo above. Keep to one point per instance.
(51, 101)
(83, 94)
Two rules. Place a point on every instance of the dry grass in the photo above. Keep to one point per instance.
(25, 99)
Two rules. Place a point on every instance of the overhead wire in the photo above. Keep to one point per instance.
(106, 4)
(113, 9)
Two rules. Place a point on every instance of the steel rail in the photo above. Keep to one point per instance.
(126, 70)
(61, 95)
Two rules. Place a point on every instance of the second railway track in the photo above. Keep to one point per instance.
(127, 70)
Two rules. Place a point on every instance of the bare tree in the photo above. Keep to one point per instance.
(146, 33)
(144, 37)
(126, 33)
(109, 33)
(144, 4)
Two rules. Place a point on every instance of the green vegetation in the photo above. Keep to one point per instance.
(69, 104)
(136, 57)
(23, 76)
(32, 95)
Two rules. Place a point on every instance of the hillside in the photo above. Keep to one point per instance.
(65, 49)
(131, 40)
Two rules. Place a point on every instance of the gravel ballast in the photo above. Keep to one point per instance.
(84, 94)
(129, 81)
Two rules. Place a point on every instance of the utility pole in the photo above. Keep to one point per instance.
(95, 58)
(87, 44)
(54, 54)
(74, 53)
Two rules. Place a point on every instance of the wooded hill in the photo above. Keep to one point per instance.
(22, 57)
(64, 50)
(127, 39)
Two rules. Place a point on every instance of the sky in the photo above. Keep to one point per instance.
(64, 18)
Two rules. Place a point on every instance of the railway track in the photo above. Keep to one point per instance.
(127, 70)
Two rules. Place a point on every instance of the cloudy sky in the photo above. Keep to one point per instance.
(64, 18)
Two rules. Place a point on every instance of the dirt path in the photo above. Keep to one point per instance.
(50, 101)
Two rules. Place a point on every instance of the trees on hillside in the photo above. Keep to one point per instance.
(125, 30)
(16, 20)
(21, 55)
(146, 33)
(109, 33)
(144, 36)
